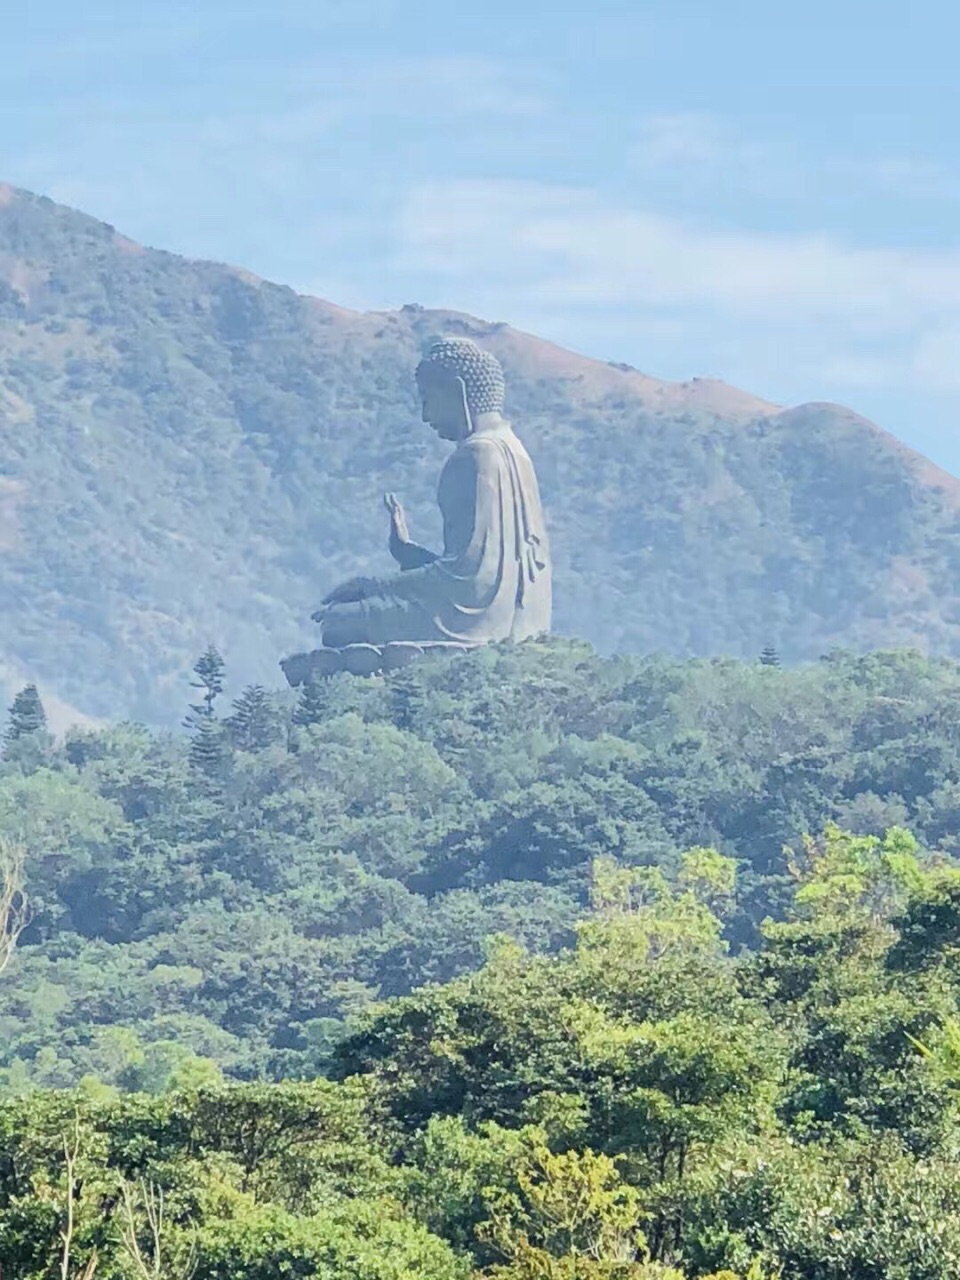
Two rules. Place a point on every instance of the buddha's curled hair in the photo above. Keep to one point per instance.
(480, 370)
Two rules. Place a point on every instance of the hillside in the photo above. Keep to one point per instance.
(189, 454)
(242, 896)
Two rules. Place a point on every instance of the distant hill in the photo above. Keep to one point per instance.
(190, 454)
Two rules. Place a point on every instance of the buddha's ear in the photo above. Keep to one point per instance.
(467, 416)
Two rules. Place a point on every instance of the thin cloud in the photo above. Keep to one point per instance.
(568, 250)
(937, 358)
(697, 140)
(700, 151)
(570, 244)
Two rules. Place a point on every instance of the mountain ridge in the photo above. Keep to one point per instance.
(192, 454)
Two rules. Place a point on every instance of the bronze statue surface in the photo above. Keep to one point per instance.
(492, 580)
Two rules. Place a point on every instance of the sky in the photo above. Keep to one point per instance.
(717, 188)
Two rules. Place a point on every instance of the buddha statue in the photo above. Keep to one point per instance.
(492, 579)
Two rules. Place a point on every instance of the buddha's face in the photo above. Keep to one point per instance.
(444, 401)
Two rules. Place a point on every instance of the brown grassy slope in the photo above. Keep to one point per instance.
(190, 454)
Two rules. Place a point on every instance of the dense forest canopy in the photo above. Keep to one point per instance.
(240, 893)
(524, 964)
(191, 455)
(641, 1106)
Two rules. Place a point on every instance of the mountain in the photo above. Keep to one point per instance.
(189, 454)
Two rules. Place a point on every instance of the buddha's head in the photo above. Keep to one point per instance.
(458, 382)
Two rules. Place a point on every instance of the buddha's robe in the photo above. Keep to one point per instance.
(492, 580)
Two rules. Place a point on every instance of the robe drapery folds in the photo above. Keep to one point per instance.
(492, 581)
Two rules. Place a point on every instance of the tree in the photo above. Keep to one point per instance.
(856, 878)
(71, 1194)
(311, 705)
(253, 724)
(406, 699)
(571, 1206)
(327, 697)
(26, 715)
(209, 670)
(14, 912)
(144, 1234)
(209, 752)
(769, 656)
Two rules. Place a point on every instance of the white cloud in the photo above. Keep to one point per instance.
(850, 312)
(696, 152)
(571, 245)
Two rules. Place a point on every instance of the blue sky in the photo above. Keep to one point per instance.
(723, 189)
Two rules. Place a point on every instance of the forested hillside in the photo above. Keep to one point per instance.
(525, 964)
(641, 1106)
(237, 895)
(191, 455)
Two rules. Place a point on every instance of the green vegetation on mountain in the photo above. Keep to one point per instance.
(189, 455)
(231, 899)
(644, 1105)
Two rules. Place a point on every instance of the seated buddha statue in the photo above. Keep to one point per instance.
(491, 580)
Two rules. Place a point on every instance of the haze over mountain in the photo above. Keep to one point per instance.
(189, 454)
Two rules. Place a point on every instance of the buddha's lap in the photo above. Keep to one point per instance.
(378, 620)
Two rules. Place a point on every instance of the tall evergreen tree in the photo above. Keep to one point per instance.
(407, 699)
(253, 725)
(209, 671)
(209, 749)
(324, 699)
(26, 715)
(311, 705)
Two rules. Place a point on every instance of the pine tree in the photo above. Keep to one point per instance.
(769, 657)
(253, 724)
(325, 698)
(26, 715)
(209, 750)
(209, 670)
(407, 699)
(311, 705)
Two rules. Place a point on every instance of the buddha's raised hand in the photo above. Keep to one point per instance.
(398, 520)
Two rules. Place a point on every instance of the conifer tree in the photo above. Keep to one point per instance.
(253, 724)
(324, 699)
(311, 705)
(26, 715)
(407, 699)
(208, 748)
(209, 670)
(769, 657)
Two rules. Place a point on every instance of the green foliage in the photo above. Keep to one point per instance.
(26, 715)
(568, 1204)
(360, 1242)
(244, 893)
(642, 1105)
(853, 878)
(220, 1183)
(253, 724)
